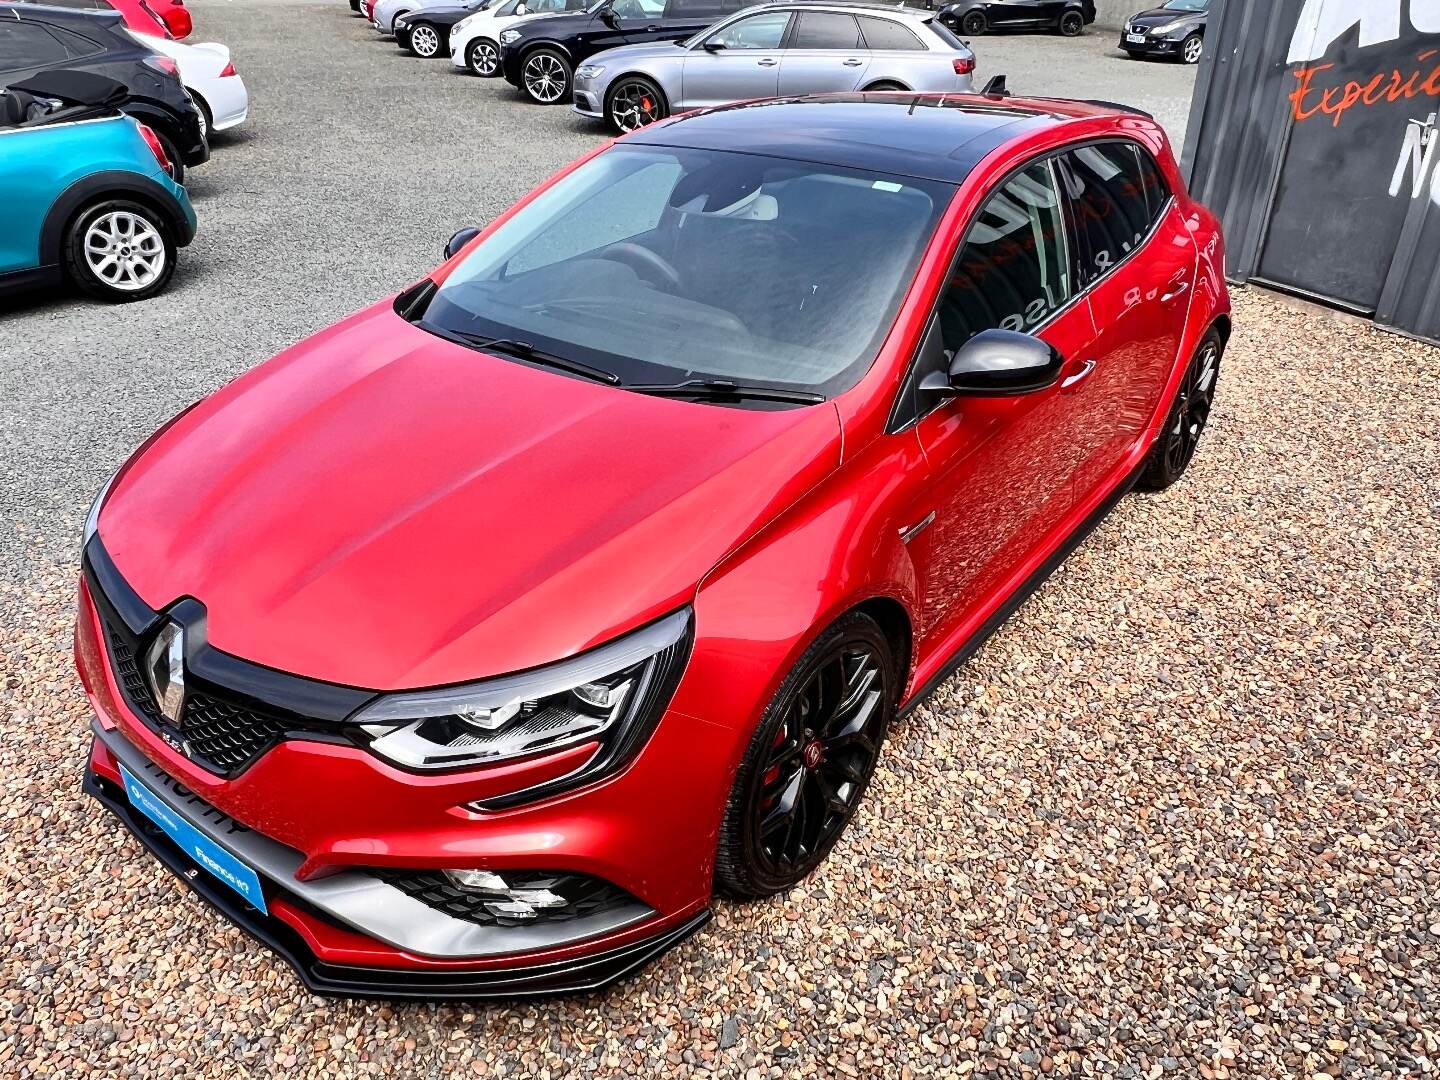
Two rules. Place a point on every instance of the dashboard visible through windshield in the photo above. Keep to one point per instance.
(662, 264)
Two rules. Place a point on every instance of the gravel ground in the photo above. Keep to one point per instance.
(1178, 817)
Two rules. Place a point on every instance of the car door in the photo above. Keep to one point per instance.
(1019, 12)
(1138, 262)
(740, 60)
(1000, 468)
(624, 22)
(824, 54)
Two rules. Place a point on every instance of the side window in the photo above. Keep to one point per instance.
(638, 9)
(1113, 210)
(888, 34)
(825, 30)
(24, 45)
(757, 32)
(692, 10)
(1014, 270)
(1152, 181)
(74, 44)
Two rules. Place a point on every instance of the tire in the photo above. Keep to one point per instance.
(207, 119)
(632, 102)
(848, 678)
(482, 57)
(545, 77)
(1071, 24)
(424, 41)
(974, 24)
(177, 167)
(134, 235)
(1192, 49)
(1175, 448)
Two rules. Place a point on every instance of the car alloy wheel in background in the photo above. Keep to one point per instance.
(1192, 49)
(973, 24)
(1072, 24)
(635, 102)
(119, 251)
(546, 77)
(483, 58)
(424, 41)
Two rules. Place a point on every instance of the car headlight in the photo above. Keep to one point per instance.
(589, 71)
(612, 695)
(461, 25)
(509, 37)
(1169, 28)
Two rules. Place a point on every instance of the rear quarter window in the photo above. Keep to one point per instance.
(886, 34)
(1116, 194)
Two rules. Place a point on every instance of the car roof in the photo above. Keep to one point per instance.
(17, 8)
(852, 7)
(927, 136)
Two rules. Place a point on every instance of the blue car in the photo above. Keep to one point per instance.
(87, 190)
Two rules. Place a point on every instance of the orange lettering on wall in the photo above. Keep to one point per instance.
(1311, 97)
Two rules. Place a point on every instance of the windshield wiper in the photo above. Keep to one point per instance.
(721, 389)
(524, 350)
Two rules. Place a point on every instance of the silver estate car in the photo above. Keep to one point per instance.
(778, 49)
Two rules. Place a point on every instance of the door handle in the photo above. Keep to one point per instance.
(1072, 381)
(852, 62)
(1178, 288)
(652, 29)
(767, 62)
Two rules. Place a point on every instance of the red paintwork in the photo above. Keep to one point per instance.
(164, 18)
(381, 508)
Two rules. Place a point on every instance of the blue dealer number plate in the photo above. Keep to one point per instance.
(207, 854)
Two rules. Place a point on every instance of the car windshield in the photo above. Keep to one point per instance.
(1186, 5)
(662, 264)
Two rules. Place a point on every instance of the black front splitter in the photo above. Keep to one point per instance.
(576, 976)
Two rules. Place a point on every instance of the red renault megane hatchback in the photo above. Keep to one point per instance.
(470, 646)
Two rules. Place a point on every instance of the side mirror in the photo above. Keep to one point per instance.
(997, 363)
(712, 46)
(460, 239)
(610, 19)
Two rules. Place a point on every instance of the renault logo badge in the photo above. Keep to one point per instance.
(165, 671)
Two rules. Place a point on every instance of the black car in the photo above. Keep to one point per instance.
(974, 17)
(540, 55)
(426, 32)
(41, 37)
(1175, 29)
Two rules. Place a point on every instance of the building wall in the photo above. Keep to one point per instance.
(1110, 14)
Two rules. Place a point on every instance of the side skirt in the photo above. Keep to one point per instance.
(1013, 602)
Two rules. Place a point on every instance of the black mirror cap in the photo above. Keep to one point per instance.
(998, 363)
(459, 240)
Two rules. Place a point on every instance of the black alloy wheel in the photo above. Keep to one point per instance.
(809, 761)
(974, 24)
(483, 58)
(1072, 24)
(634, 102)
(1175, 448)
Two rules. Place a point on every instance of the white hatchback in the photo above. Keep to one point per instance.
(209, 77)
(475, 39)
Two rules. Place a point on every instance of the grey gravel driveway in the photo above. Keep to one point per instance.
(1181, 817)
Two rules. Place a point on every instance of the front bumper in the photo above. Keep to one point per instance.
(1150, 46)
(292, 926)
(587, 100)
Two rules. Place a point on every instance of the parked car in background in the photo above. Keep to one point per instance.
(540, 56)
(163, 18)
(426, 31)
(975, 17)
(210, 78)
(779, 48)
(475, 39)
(1174, 30)
(36, 38)
(817, 390)
(88, 193)
(384, 12)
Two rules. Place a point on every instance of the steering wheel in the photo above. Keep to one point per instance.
(646, 263)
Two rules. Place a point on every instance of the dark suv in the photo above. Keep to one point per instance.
(540, 55)
(41, 37)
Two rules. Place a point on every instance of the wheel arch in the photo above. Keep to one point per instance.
(882, 82)
(96, 187)
(527, 49)
(894, 620)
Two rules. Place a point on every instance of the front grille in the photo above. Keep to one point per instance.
(221, 734)
(586, 895)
